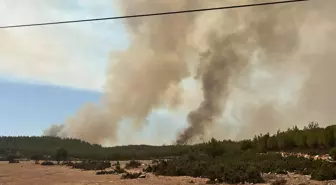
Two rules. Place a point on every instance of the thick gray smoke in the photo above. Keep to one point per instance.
(290, 44)
(272, 30)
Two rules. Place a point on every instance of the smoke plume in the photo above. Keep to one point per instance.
(230, 49)
(272, 30)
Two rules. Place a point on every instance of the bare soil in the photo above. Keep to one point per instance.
(27, 173)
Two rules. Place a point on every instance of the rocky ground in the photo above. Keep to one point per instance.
(28, 173)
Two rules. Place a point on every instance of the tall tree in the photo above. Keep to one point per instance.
(61, 155)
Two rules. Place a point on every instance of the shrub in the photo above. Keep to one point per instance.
(105, 172)
(325, 172)
(240, 168)
(133, 175)
(11, 159)
(36, 158)
(332, 153)
(61, 155)
(279, 182)
(47, 163)
(149, 168)
(212, 181)
(133, 164)
(67, 163)
(119, 170)
(92, 165)
(246, 144)
(116, 164)
(221, 172)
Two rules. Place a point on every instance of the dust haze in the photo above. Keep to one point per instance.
(260, 69)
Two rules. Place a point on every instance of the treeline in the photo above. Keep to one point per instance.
(28, 147)
(310, 139)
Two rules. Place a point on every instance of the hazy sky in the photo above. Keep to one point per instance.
(73, 55)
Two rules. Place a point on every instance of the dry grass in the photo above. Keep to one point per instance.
(27, 173)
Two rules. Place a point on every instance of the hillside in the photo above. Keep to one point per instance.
(310, 139)
(45, 145)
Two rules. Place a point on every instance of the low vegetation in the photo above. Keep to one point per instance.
(67, 163)
(219, 161)
(11, 159)
(47, 163)
(133, 164)
(242, 167)
(133, 175)
(119, 170)
(106, 172)
(92, 165)
(332, 153)
(279, 182)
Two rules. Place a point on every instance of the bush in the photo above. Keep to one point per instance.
(246, 145)
(149, 168)
(133, 175)
(212, 181)
(13, 161)
(326, 172)
(37, 158)
(133, 164)
(116, 164)
(92, 165)
(105, 172)
(241, 168)
(221, 172)
(67, 163)
(332, 153)
(279, 182)
(61, 155)
(119, 170)
(47, 163)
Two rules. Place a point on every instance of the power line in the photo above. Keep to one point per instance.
(152, 14)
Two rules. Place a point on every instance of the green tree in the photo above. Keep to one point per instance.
(36, 158)
(332, 153)
(262, 142)
(246, 144)
(214, 148)
(61, 155)
(300, 139)
(285, 140)
(272, 143)
(327, 137)
(313, 125)
(312, 140)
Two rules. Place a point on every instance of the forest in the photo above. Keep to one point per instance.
(311, 139)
